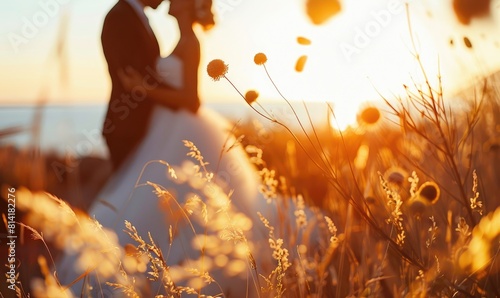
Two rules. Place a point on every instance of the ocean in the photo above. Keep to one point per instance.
(76, 129)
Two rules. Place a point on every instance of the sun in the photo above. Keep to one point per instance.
(342, 116)
(366, 116)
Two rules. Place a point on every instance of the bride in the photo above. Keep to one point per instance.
(160, 189)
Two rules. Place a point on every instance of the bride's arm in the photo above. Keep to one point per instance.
(188, 50)
(188, 47)
(172, 98)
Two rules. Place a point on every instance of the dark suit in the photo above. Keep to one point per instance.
(127, 42)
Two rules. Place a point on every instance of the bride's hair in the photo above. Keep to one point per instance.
(201, 9)
(203, 12)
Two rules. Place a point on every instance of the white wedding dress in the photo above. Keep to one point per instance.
(127, 196)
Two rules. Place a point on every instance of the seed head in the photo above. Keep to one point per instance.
(320, 11)
(429, 192)
(217, 69)
(417, 207)
(396, 176)
(251, 96)
(369, 115)
(260, 58)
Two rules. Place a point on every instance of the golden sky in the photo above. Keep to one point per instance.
(364, 49)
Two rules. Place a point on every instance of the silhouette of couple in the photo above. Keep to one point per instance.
(154, 106)
(133, 56)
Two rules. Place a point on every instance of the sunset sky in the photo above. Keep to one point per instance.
(347, 63)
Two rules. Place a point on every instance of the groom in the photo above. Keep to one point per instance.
(130, 46)
(128, 41)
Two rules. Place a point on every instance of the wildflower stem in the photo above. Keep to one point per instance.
(39, 236)
(438, 112)
(321, 155)
(274, 120)
(345, 194)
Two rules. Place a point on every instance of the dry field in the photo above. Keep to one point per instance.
(404, 204)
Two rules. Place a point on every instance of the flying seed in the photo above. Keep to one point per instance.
(299, 66)
(303, 41)
(467, 42)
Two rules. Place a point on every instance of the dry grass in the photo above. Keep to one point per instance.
(406, 205)
(408, 208)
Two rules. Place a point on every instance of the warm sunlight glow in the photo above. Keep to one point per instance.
(362, 50)
(242, 160)
(343, 116)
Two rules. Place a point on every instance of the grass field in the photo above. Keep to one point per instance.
(403, 204)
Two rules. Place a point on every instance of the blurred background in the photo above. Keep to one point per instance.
(50, 53)
(54, 83)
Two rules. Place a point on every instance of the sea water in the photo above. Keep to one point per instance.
(76, 129)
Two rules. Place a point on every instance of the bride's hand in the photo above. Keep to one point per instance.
(130, 78)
